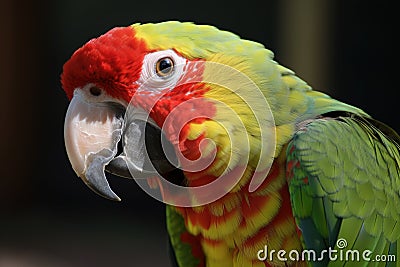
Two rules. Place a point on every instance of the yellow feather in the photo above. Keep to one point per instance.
(211, 262)
(266, 213)
(226, 204)
(217, 250)
(196, 129)
(222, 228)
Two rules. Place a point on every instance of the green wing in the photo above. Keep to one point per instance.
(186, 251)
(344, 182)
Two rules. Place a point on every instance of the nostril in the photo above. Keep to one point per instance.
(95, 91)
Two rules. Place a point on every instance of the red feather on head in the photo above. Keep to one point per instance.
(112, 62)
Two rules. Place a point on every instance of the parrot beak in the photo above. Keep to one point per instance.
(92, 132)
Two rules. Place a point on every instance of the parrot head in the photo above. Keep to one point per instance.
(173, 99)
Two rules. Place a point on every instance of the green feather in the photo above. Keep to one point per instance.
(318, 215)
(176, 227)
(353, 171)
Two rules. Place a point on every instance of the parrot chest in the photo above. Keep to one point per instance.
(233, 229)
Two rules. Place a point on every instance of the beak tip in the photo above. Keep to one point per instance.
(108, 195)
(115, 198)
(104, 191)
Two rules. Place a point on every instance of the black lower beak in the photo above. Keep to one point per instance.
(146, 152)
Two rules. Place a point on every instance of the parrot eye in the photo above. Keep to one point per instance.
(161, 70)
(164, 66)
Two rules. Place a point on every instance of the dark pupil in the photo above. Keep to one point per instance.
(165, 65)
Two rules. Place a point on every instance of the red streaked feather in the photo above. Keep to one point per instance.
(194, 243)
(253, 205)
(285, 211)
(191, 148)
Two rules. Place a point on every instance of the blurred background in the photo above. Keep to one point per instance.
(48, 217)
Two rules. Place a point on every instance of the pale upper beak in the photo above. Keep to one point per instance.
(92, 131)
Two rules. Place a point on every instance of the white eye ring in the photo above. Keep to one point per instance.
(155, 77)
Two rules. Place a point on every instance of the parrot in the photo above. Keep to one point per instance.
(255, 167)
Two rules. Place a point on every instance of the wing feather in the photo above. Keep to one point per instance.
(346, 184)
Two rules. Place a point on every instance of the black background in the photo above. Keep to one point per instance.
(48, 217)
